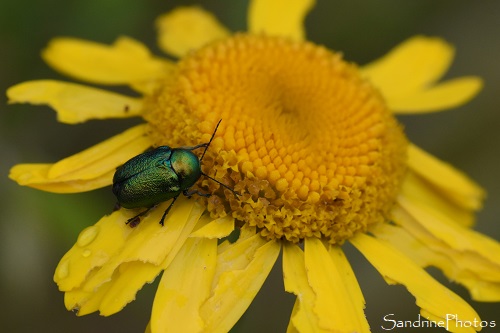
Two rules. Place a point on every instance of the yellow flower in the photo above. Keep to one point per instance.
(308, 140)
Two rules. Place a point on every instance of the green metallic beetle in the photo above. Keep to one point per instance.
(157, 176)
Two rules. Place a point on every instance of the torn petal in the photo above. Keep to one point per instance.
(339, 302)
(303, 318)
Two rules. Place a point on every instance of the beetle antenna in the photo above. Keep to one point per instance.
(209, 142)
(218, 182)
(206, 145)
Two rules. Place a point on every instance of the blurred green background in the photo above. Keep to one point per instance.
(37, 228)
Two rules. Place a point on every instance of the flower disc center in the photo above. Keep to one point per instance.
(309, 144)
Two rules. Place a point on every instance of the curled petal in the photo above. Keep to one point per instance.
(188, 28)
(75, 103)
(92, 168)
(279, 17)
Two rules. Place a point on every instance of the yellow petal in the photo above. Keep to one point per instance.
(184, 287)
(339, 303)
(455, 184)
(303, 318)
(425, 194)
(328, 296)
(245, 233)
(124, 62)
(291, 327)
(481, 291)
(151, 243)
(445, 229)
(75, 103)
(422, 248)
(85, 171)
(406, 76)
(279, 17)
(35, 176)
(95, 245)
(112, 261)
(240, 272)
(435, 300)
(112, 295)
(410, 67)
(446, 95)
(188, 28)
(469, 250)
(127, 280)
(131, 276)
(218, 228)
(84, 302)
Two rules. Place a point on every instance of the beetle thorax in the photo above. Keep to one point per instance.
(187, 167)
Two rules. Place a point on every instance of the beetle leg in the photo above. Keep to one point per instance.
(134, 221)
(117, 207)
(167, 210)
(190, 193)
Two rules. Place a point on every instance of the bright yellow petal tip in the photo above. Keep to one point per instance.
(186, 29)
(407, 77)
(279, 17)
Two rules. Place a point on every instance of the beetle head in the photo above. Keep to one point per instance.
(187, 167)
